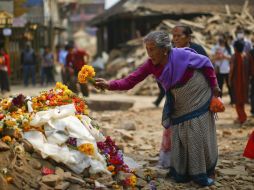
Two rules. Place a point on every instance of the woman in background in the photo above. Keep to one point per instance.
(5, 71)
(239, 80)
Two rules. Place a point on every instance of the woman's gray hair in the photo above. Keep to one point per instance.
(160, 38)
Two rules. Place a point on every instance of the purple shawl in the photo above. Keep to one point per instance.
(179, 60)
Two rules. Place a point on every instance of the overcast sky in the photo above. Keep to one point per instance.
(109, 3)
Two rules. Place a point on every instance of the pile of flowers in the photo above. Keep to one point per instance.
(15, 115)
(17, 112)
(59, 96)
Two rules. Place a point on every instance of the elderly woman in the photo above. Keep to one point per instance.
(189, 82)
(181, 38)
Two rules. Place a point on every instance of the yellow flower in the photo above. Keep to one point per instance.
(23, 108)
(133, 180)
(61, 86)
(86, 112)
(10, 123)
(26, 126)
(87, 148)
(5, 104)
(82, 78)
(6, 139)
(79, 117)
(42, 97)
(68, 92)
(87, 72)
(34, 100)
(15, 115)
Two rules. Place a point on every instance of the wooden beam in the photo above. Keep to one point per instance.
(228, 10)
(193, 24)
(245, 7)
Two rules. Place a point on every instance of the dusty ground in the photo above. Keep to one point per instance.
(138, 132)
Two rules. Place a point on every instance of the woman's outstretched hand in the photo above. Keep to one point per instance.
(101, 83)
(217, 91)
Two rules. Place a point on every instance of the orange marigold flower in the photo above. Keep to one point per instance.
(133, 180)
(61, 86)
(10, 123)
(82, 78)
(26, 126)
(9, 179)
(87, 148)
(111, 168)
(5, 104)
(87, 72)
(6, 139)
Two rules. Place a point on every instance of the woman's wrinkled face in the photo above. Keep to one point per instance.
(179, 38)
(155, 53)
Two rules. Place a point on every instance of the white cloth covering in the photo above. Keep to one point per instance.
(60, 124)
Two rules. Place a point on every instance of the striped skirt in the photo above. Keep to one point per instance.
(194, 150)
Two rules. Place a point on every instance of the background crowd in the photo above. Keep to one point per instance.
(233, 60)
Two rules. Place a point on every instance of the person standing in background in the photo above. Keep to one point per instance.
(251, 60)
(221, 55)
(47, 67)
(239, 80)
(240, 35)
(69, 68)
(61, 58)
(5, 71)
(28, 62)
(181, 38)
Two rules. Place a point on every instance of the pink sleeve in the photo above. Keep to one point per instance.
(211, 76)
(131, 80)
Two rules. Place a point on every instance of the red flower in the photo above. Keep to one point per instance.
(47, 171)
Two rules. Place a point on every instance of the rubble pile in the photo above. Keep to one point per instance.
(50, 142)
(205, 32)
(207, 28)
(141, 137)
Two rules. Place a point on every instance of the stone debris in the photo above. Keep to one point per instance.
(3, 146)
(128, 126)
(24, 165)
